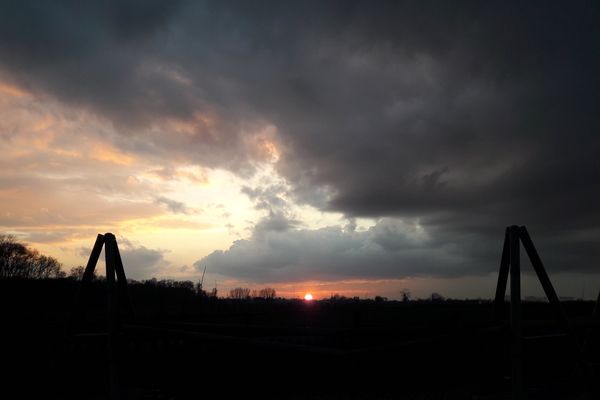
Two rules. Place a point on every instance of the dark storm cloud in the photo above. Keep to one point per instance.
(91, 54)
(468, 115)
(390, 249)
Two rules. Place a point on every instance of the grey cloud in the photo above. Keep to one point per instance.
(470, 116)
(142, 262)
(92, 54)
(174, 206)
(272, 198)
(351, 225)
(53, 237)
(334, 254)
(268, 197)
(392, 249)
(274, 222)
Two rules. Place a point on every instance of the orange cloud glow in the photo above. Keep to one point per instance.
(10, 90)
(107, 153)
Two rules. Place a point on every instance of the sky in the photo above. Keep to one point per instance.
(346, 147)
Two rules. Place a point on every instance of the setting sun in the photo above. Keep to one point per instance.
(308, 297)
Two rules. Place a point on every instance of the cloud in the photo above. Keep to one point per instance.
(55, 236)
(392, 249)
(174, 206)
(141, 262)
(102, 47)
(466, 116)
(397, 109)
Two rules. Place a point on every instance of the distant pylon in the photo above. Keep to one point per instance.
(202, 280)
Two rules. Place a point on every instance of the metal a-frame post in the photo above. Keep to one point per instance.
(117, 297)
(594, 328)
(86, 279)
(115, 276)
(511, 263)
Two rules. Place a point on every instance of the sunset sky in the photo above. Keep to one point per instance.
(340, 147)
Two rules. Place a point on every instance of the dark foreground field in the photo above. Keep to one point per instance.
(181, 345)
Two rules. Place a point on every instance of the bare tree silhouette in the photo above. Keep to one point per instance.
(239, 293)
(267, 293)
(405, 295)
(77, 272)
(18, 261)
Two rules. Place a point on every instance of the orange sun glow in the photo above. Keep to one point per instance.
(308, 297)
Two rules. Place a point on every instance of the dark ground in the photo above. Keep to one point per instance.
(184, 346)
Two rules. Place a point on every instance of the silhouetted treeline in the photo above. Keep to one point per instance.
(240, 293)
(18, 261)
(175, 323)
